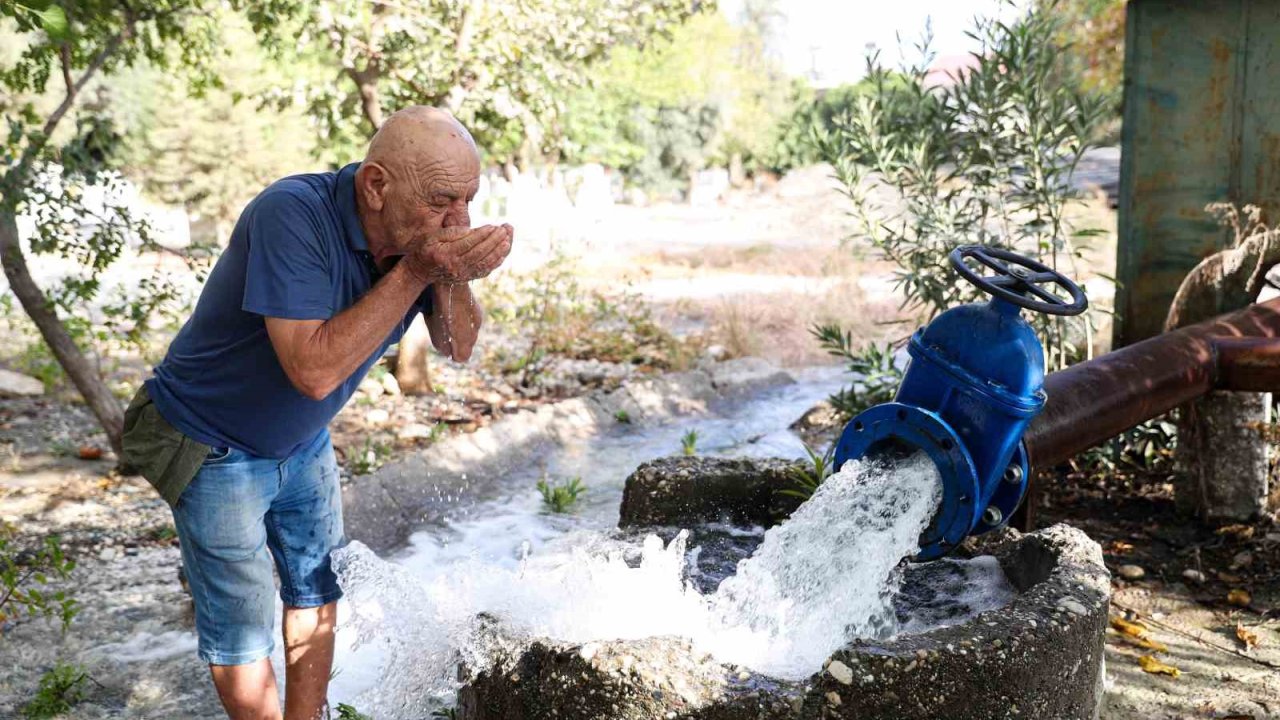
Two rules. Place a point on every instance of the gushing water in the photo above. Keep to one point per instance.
(827, 575)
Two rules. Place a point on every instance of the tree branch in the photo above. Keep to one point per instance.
(29, 153)
(65, 55)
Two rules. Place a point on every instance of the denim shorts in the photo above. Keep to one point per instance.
(239, 513)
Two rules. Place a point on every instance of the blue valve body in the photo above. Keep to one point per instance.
(974, 383)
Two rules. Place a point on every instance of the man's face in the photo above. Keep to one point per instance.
(436, 195)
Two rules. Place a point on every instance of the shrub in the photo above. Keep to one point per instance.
(689, 442)
(561, 498)
(60, 689)
(24, 575)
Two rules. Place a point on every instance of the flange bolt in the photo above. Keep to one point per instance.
(1013, 475)
(992, 516)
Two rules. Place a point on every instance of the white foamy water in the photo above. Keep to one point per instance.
(825, 576)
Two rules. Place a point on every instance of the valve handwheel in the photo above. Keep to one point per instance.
(1019, 280)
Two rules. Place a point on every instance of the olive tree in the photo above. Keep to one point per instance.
(60, 141)
(985, 159)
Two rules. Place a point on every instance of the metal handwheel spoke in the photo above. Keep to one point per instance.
(1019, 280)
(1044, 294)
(991, 263)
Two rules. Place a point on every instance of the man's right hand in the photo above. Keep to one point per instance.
(459, 255)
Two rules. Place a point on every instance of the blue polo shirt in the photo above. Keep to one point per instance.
(298, 252)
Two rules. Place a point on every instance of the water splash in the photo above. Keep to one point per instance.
(830, 572)
(827, 575)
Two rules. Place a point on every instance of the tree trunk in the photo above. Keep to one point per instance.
(1223, 459)
(77, 367)
(413, 367)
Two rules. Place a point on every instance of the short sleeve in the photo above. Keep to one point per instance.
(287, 272)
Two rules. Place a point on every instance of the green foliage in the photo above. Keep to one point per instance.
(622, 416)
(445, 713)
(210, 150)
(707, 94)
(1146, 449)
(808, 479)
(61, 688)
(818, 114)
(1092, 32)
(162, 533)
(986, 160)
(63, 144)
(877, 377)
(554, 316)
(347, 712)
(689, 442)
(561, 497)
(371, 456)
(503, 69)
(25, 575)
(675, 144)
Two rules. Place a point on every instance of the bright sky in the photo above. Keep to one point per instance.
(831, 37)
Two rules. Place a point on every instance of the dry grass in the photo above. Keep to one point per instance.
(776, 325)
(761, 258)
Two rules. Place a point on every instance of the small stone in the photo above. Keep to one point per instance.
(371, 388)
(588, 651)
(1132, 572)
(744, 676)
(390, 385)
(377, 416)
(834, 698)
(1072, 606)
(840, 672)
(14, 384)
(107, 554)
(414, 431)
(1194, 576)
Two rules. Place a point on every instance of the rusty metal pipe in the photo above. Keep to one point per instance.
(1099, 399)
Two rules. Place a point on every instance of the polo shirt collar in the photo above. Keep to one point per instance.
(347, 206)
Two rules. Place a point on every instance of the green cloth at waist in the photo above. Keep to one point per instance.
(161, 454)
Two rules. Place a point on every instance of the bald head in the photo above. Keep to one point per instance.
(421, 170)
(418, 130)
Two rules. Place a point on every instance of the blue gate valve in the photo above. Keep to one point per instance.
(974, 383)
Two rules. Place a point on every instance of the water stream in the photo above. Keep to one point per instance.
(829, 574)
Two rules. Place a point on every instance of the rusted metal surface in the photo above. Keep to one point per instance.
(1101, 398)
(1251, 364)
(1201, 125)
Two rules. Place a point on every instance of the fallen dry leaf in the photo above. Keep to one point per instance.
(1247, 636)
(1134, 628)
(1239, 598)
(1236, 531)
(1119, 547)
(1138, 634)
(1155, 667)
(1229, 578)
(90, 452)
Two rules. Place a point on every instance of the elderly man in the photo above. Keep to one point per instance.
(322, 274)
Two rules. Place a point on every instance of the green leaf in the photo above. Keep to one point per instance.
(54, 22)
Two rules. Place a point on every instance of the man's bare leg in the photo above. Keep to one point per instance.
(308, 658)
(248, 692)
